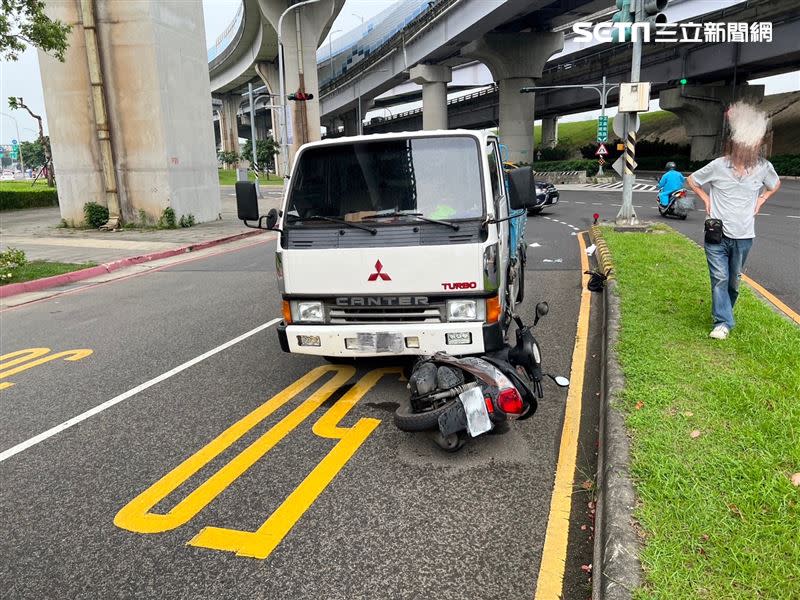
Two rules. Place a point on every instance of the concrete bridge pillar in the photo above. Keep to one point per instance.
(263, 125)
(702, 112)
(515, 60)
(128, 110)
(350, 122)
(268, 72)
(550, 132)
(434, 80)
(303, 31)
(228, 123)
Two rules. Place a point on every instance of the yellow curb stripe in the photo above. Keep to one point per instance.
(550, 582)
(772, 298)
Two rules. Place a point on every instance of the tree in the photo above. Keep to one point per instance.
(17, 103)
(34, 153)
(265, 153)
(228, 157)
(23, 22)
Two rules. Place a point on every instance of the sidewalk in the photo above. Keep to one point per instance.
(36, 232)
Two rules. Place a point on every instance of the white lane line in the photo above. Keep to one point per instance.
(535, 245)
(793, 216)
(22, 446)
(597, 203)
(579, 202)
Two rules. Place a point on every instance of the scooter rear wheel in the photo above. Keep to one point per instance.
(407, 420)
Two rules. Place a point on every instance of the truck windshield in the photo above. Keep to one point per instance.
(435, 177)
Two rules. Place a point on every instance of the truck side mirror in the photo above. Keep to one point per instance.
(272, 218)
(246, 201)
(521, 188)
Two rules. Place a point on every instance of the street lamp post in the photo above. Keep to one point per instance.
(330, 50)
(19, 141)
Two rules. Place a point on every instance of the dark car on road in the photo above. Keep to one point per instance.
(546, 193)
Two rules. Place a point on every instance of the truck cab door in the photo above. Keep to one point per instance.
(500, 199)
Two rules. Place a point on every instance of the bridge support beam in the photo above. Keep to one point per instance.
(303, 30)
(549, 132)
(128, 110)
(701, 110)
(434, 80)
(515, 60)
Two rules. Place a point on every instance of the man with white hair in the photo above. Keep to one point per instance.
(740, 182)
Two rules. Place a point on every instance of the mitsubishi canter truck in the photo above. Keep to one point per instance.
(398, 244)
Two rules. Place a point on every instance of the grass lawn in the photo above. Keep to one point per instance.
(228, 177)
(24, 186)
(715, 428)
(36, 269)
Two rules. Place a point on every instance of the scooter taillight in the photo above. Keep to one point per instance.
(510, 402)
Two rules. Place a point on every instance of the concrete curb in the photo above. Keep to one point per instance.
(617, 571)
(37, 285)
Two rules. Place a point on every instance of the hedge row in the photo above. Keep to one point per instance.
(32, 198)
(543, 166)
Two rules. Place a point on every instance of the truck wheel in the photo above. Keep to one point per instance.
(406, 420)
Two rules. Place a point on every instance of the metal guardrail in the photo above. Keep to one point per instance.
(492, 89)
(226, 36)
(393, 43)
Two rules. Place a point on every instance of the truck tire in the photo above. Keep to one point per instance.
(406, 420)
(521, 283)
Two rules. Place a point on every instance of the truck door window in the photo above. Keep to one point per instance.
(495, 174)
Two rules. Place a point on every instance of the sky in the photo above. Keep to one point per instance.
(21, 78)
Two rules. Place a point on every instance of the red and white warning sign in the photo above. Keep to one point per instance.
(601, 150)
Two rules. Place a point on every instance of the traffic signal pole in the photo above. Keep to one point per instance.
(627, 215)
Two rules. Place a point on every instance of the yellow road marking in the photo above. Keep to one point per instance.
(136, 515)
(772, 298)
(22, 360)
(550, 582)
(261, 543)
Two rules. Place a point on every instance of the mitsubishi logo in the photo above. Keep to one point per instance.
(377, 273)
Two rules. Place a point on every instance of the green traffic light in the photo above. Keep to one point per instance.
(684, 81)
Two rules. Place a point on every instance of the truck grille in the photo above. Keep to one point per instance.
(385, 314)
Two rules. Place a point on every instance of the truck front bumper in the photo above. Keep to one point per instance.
(431, 338)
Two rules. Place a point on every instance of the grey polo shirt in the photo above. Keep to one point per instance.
(733, 199)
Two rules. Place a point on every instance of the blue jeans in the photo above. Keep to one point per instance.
(725, 262)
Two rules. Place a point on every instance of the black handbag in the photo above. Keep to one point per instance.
(597, 280)
(713, 229)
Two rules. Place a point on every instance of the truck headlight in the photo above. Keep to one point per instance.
(465, 310)
(308, 312)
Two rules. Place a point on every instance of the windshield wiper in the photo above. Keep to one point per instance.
(416, 215)
(294, 219)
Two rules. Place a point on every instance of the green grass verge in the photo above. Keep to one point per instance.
(228, 177)
(37, 269)
(719, 513)
(21, 194)
(579, 133)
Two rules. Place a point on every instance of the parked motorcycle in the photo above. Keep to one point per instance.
(462, 397)
(678, 206)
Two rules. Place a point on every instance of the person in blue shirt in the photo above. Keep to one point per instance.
(670, 181)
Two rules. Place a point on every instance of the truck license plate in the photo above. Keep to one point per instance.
(379, 342)
(478, 421)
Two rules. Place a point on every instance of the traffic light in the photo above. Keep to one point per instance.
(625, 13)
(300, 96)
(676, 82)
(653, 14)
(683, 81)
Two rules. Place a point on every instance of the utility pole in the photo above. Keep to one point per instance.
(626, 214)
(282, 80)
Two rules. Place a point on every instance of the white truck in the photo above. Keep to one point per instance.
(398, 244)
